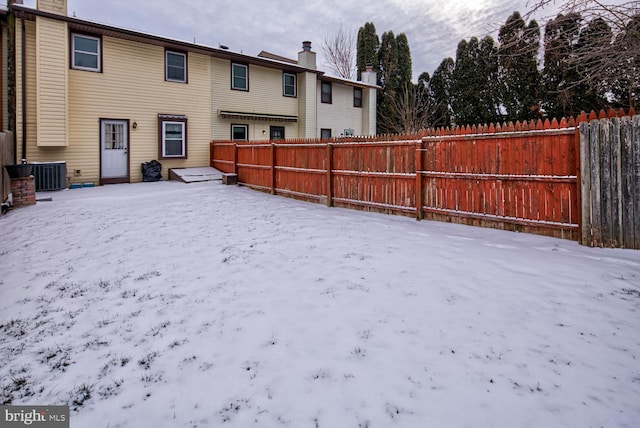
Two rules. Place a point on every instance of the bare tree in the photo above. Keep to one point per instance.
(339, 52)
(607, 52)
(617, 16)
(410, 111)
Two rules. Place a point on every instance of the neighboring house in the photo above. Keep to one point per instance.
(105, 99)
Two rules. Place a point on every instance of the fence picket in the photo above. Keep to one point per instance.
(605, 181)
(596, 195)
(627, 185)
(615, 179)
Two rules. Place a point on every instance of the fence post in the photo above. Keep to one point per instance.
(595, 186)
(579, 172)
(627, 183)
(419, 197)
(616, 179)
(635, 177)
(235, 159)
(273, 168)
(329, 174)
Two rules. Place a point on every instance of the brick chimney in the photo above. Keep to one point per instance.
(306, 57)
(368, 75)
(59, 7)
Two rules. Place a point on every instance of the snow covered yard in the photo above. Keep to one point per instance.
(203, 305)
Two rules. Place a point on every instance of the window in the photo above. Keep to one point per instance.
(240, 77)
(289, 84)
(276, 132)
(326, 92)
(85, 52)
(357, 97)
(325, 133)
(239, 132)
(172, 130)
(175, 66)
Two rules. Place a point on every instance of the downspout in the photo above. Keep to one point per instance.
(23, 78)
(11, 80)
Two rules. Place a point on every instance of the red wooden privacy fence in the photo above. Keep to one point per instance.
(521, 176)
(521, 179)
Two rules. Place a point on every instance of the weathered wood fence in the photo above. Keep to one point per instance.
(610, 181)
(6, 158)
(516, 179)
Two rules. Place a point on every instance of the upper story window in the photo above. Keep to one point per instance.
(289, 84)
(85, 52)
(175, 66)
(357, 97)
(326, 92)
(240, 77)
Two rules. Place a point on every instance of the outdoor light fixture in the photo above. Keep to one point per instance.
(135, 125)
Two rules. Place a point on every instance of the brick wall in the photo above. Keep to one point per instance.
(24, 191)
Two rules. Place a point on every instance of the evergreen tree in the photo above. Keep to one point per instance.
(561, 78)
(474, 95)
(404, 71)
(425, 94)
(388, 80)
(465, 94)
(593, 53)
(626, 82)
(388, 62)
(519, 76)
(367, 47)
(441, 90)
(490, 102)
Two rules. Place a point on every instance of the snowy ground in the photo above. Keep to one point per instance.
(203, 305)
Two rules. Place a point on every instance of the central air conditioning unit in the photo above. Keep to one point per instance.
(49, 175)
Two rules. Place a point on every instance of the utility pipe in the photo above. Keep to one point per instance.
(24, 93)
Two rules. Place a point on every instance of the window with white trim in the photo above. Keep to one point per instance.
(175, 66)
(357, 97)
(289, 85)
(240, 132)
(240, 77)
(326, 92)
(172, 136)
(85, 52)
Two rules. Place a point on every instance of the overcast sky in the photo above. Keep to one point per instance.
(434, 27)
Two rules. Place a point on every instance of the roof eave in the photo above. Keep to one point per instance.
(137, 36)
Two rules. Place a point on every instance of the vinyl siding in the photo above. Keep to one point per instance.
(51, 78)
(308, 111)
(340, 114)
(53, 6)
(131, 86)
(5, 96)
(369, 105)
(264, 96)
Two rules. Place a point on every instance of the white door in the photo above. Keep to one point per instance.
(114, 146)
